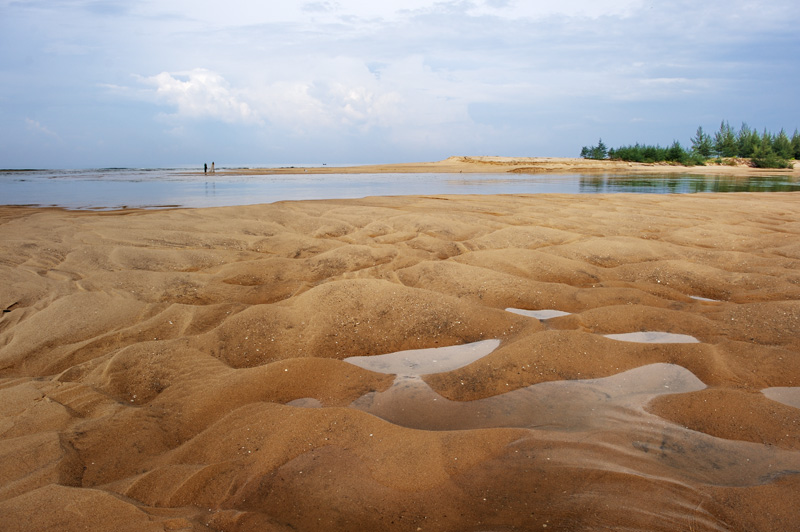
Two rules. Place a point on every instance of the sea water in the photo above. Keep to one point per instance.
(114, 188)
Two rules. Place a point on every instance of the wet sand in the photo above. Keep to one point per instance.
(184, 369)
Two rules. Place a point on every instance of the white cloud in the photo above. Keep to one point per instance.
(33, 125)
(333, 96)
(201, 93)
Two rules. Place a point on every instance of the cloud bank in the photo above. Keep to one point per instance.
(200, 93)
(389, 81)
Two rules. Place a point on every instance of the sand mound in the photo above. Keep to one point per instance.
(185, 369)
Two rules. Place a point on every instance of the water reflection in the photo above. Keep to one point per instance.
(686, 184)
(119, 187)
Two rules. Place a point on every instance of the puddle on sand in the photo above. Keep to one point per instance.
(583, 437)
(654, 337)
(705, 299)
(425, 361)
(544, 314)
(789, 396)
(306, 402)
(561, 405)
(646, 337)
(594, 424)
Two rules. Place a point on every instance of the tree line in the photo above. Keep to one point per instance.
(765, 150)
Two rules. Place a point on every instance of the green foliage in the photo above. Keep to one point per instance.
(782, 145)
(654, 154)
(767, 140)
(695, 159)
(771, 160)
(627, 153)
(701, 143)
(746, 140)
(595, 152)
(765, 155)
(725, 141)
(796, 144)
(765, 150)
(677, 154)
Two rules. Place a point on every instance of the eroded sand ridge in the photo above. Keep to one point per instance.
(177, 369)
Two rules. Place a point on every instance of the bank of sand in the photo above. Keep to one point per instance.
(530, 165)
(147, 359)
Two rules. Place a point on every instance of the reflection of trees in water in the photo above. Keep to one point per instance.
(674, 184)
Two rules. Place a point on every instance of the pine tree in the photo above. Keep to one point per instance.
(766, 150)
(765, 156)
(595, 152)
(676, 153)
(782, 145)
(766, 139)
(796, 144)
(701, 143)
(746, 141)
(600, 151)
(725, 141)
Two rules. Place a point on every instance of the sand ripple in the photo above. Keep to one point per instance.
(185, 369)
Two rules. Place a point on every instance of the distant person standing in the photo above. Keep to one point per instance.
(212, 167)
(205, 168)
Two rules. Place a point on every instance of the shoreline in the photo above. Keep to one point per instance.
(455, 175)
(532, 165)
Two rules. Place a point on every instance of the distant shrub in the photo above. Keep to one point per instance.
(771, 160)
(677, 154)
(639, 153)
(695, 159)
(767, 156)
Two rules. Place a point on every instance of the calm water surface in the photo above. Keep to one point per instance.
(113, 188)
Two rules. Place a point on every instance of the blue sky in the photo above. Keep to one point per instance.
(95, 83)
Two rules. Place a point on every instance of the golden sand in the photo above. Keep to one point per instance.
(147, 359)
(531, 165)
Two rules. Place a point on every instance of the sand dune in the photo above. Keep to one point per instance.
(185, 369)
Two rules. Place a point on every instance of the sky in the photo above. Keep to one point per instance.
(154, 83)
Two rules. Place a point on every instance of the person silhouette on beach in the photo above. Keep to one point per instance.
(205, 168)
(212, 167)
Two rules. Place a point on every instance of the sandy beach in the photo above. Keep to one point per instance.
(532, 165)
(187, 369)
